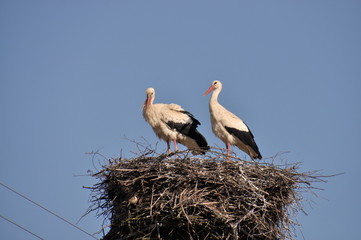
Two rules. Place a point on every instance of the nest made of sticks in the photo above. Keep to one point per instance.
(157, 196)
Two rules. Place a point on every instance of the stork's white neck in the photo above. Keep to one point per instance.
(214, 97)
(213, 101)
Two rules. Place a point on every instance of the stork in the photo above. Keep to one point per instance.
(171, 122)
(228, 127)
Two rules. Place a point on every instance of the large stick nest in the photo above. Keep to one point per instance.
(156, 196)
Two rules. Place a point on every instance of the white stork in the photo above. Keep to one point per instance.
(171, 122)
(228, 127)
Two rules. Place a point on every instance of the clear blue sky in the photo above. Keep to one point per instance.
(73, 77)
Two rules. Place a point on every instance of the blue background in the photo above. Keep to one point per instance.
(73, 77)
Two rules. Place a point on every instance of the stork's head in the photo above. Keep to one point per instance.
(150, 97)
(216, 84)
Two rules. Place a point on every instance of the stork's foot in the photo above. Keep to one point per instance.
(228, 158)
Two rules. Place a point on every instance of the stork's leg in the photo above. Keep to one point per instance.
(168, 145)
(175, 148)
(228, 146)
(175, 145)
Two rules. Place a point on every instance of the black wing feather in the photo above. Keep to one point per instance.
(190, 129)
(246, 137)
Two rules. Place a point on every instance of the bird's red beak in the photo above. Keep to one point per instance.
(211, 88)
(147, 102)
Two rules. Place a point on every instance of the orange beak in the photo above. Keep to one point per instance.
(211, 88)
(147, 102)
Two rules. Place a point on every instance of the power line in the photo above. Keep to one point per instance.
(5, 218)
(49, 211)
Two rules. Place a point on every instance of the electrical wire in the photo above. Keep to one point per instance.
(49, 211)
(27, 230)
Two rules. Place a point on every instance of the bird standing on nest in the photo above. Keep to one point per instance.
(171, 122)
(228, 127)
